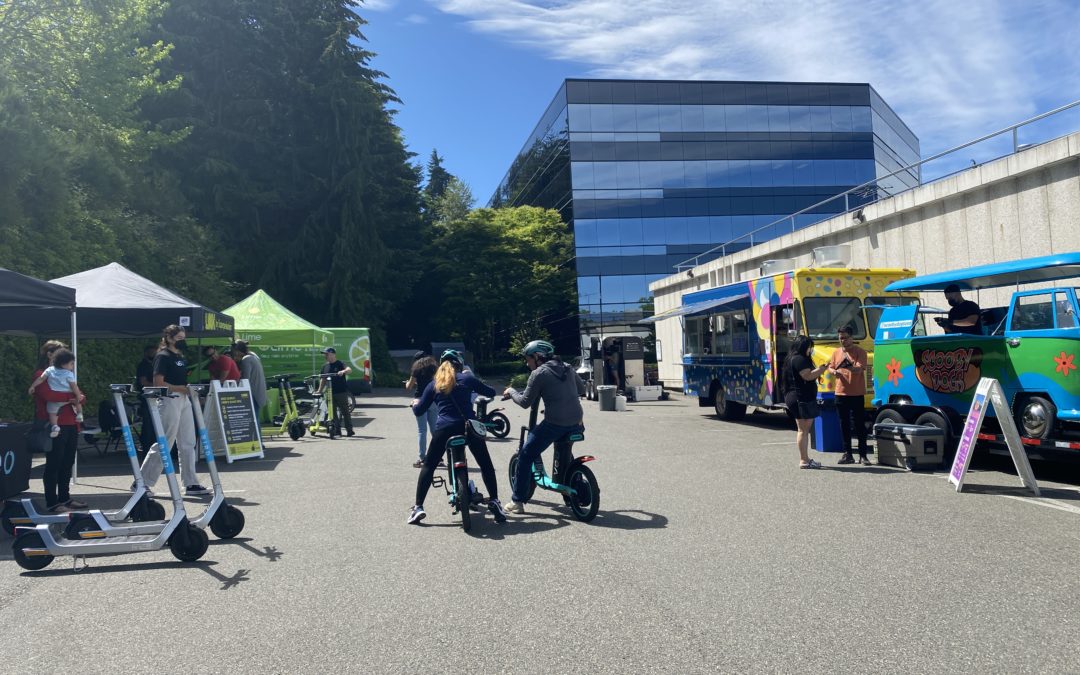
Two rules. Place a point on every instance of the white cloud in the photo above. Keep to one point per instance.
(416, 18)
(952, 70)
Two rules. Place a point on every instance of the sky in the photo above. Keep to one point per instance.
(475, 76)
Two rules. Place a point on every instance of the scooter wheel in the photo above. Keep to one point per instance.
(155, 510)
(295, 431)
(513, 477)
(190, 545)
(79, 523)
(227, 522)
(25, 559)
(11, 510)
(500, 425)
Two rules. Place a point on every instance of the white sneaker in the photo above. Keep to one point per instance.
(55, 431)
(515, 507)
(416, 515)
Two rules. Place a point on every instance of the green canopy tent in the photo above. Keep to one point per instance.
(283, 341)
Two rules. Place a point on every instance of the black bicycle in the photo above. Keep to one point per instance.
(570, 477)
(461, 492)
(494, 421)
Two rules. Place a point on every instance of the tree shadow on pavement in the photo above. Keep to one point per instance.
(271, 553)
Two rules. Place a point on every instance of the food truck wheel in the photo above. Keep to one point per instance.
(889, 416)
(1035, 417)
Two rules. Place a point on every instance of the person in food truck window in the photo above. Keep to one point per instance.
(963, 315)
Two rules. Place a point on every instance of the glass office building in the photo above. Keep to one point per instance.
(649, 174)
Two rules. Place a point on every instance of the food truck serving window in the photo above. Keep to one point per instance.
(825, 316)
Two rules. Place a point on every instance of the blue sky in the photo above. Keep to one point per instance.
(475, 76)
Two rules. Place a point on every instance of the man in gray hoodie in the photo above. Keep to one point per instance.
(560, 388)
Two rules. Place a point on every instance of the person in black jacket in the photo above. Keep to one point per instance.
(800, 378)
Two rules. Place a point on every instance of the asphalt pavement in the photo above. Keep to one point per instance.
(712, 552)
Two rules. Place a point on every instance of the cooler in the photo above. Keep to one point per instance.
(909, 446)
(653, 392)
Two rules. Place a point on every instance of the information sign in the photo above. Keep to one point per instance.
(988, 392)
(230, 420)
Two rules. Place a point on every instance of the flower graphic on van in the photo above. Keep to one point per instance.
(1065, 364)
(894, 371)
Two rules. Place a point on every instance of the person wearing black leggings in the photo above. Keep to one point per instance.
(450, 392)
(57, 474)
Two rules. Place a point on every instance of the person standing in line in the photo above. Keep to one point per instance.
(144, 377)
(848, 366)
(800, 377)
(338, 387)
(221, 368)
(61, 458)
(177, 420)
(423, 371)
(251, 369)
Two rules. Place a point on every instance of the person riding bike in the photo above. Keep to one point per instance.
(560, 388)
(450, 392)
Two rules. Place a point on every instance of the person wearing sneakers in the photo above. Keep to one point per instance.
(800, 378)
(177, 421)
(60, 459)
(560, 388)
(848, 366)
(450, 392)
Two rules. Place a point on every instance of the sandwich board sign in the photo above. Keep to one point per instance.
(230, 420)
(988, 392)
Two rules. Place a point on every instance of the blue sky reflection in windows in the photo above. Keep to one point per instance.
(650, 173)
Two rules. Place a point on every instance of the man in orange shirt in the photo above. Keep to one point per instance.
(848, 366)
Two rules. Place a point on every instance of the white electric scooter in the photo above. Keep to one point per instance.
(23, 512)
(224, 520)
(33, 549)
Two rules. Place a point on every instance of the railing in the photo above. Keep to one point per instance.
(867, 193)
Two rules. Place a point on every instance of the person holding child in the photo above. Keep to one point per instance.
(61, 378)
(60, 459)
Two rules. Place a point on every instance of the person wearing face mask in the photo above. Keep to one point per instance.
(963, 315)
(178, 424)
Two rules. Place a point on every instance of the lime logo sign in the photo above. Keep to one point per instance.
(9, 462)
(360, 351)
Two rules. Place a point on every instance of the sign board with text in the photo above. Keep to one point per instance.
(988, 392)
(230, 420)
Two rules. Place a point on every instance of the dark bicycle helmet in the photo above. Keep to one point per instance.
(539, 348)
(454, 357)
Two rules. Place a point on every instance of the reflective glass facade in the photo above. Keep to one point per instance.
(651, 173)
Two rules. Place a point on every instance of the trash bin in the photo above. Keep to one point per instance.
(605, 393)
(14, 459)
(827, 436)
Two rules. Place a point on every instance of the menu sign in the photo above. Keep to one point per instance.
(230, 420)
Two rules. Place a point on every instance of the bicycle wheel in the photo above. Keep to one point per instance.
(527, 493)
(586, 502)
(464, 498)
(500, 424)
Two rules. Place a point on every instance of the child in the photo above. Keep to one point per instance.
(61, 377)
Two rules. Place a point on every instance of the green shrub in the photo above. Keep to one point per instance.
(519, 381)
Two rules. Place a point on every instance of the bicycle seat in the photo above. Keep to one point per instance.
(120, 388)
(483, 399)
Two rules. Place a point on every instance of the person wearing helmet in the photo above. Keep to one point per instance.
(449, 392)
(560, 388)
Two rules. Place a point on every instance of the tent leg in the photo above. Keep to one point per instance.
(74, 350)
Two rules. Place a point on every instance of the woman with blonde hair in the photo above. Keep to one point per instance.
(450, 392)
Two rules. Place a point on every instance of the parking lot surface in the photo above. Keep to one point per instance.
(712, 552)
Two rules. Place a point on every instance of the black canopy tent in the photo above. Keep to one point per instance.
(30, 306)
